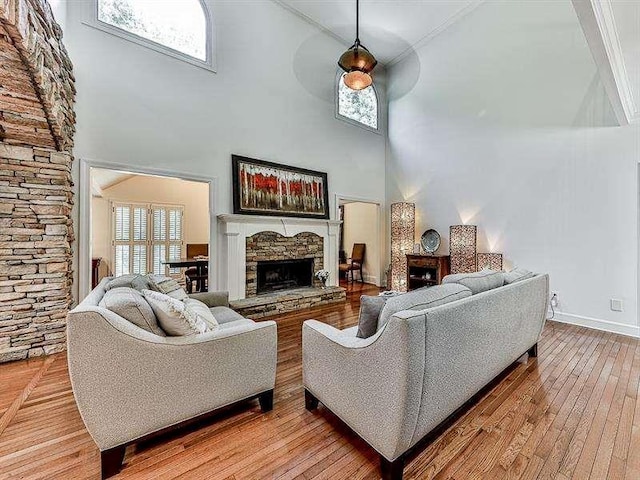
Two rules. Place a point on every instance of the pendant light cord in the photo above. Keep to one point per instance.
(357, 21)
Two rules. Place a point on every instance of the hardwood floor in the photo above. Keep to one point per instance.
(574, 413)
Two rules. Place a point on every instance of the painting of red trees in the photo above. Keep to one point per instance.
(265, 188)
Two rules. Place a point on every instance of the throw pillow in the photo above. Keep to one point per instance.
(168, 286)
(370, 308)
(131, 305)
(477, 282)
(179, 318)
(422, 299)
(517, 275)
(135, 281)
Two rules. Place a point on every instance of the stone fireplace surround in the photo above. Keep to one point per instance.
(236, 231)
(270, 246)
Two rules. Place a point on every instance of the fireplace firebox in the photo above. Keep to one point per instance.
(278, 275)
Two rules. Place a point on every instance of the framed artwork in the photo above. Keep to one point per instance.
(266, 188)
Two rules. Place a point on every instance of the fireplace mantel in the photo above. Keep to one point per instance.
(234, 230)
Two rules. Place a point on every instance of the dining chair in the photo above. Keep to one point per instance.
(354, 263)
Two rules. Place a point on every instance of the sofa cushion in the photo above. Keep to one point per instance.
(517, 275)
(421, 299)
(131, 305)
(243, 322)
(167, 285)
(135, 281)
(370, 308)
(477, 282)
(225, 315)
(179, 318)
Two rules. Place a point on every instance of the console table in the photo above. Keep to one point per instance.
(426, 270)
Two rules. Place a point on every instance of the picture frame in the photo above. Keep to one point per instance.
(273, 189)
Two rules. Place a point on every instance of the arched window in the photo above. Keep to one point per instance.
(359, 106)
(180, 26)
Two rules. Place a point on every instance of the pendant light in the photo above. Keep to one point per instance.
(357, 61)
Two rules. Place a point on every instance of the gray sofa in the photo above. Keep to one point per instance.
(130, 383)
(398, 385)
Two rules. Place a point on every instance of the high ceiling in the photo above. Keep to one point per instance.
(387, 27)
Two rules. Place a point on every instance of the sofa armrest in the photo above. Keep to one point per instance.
(372, 384)
(212, 299)
(339, 337)
(128, 384)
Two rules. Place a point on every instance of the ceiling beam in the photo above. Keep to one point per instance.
(598, 24)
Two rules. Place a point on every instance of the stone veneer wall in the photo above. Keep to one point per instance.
(36, 191)
(266, 246)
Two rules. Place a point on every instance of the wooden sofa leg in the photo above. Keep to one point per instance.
(391, 470)
(111, 461)
(266, 401)
(310, 402)
(533, 351)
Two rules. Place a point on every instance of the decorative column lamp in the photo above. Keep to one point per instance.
(403, 231)
(492, 261)
(463, 248)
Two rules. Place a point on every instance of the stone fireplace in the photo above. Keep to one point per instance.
(246, 240)
(293, 259)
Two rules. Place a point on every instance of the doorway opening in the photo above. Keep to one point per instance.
(359, 236)
(149, 224)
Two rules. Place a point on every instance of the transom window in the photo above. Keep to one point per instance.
(360, 106)
(180, 25)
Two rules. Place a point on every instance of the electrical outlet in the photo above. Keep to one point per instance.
(555, 299)
(616, 305)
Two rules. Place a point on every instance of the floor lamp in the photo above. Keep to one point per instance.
(403, 230)
(463, 248)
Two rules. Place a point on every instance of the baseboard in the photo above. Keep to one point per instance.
(370, 279)
(598, 324)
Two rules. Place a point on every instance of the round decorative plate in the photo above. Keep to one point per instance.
(430, 241)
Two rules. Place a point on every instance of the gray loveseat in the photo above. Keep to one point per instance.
(421, 366)
(130, 383)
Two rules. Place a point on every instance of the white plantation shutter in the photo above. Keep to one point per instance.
(121, 261)
(167, 237)
(159, 256)
(140, 224)
(145, 236)
(139, 259)
(122, 222)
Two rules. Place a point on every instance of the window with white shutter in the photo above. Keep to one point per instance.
(145, 236)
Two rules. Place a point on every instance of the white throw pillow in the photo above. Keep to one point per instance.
(166, 285)
(179, 318)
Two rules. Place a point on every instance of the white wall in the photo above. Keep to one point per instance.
(272, 98)
(194, 196)
(361, 225)
(507, 127)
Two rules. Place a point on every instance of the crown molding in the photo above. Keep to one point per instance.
(453, 19)
(599, 27)
(464, 11)
(312, 22)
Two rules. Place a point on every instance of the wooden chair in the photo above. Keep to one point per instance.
(191, 274)
(354, 263)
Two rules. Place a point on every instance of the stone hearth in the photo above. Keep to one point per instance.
(289, 301)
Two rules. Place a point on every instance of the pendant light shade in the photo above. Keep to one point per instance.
(357, 80)
(358, 62)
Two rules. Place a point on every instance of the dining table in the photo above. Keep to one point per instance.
(200, 263)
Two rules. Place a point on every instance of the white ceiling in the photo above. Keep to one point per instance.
(627, 18)
(388, 28)
(101, 179)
